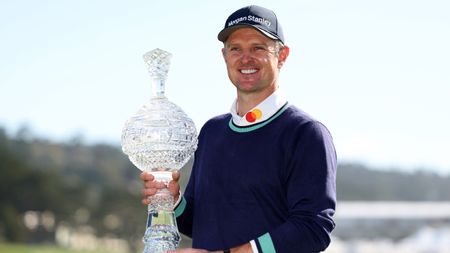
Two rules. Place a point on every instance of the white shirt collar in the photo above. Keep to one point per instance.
(263, 111)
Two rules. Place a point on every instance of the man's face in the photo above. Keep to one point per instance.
(253, 61)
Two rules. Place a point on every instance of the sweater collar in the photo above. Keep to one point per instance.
(263, 111)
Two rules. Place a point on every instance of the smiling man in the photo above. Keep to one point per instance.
(264, 174)
(253, 63)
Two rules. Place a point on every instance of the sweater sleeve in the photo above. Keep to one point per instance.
(183, 213)
(310, 193)
(185, 209)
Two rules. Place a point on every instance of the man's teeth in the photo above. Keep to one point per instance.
(248, 71)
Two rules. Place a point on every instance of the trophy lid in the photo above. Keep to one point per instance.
(158, 63)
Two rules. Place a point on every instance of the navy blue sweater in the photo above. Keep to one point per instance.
(273, 182)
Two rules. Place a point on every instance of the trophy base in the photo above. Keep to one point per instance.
(162, 233)
(161, 238)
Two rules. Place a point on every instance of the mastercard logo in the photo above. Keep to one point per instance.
(253, 115)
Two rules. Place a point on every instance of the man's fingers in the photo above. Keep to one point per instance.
(154, 184)
(145, 176)
(176, 175)
(151, 186)
(174, 188)
(149, 192)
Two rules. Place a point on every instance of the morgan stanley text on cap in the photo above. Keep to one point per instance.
(254, 16)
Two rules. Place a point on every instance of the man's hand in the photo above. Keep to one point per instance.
(192, 251)
(244, 248)
(151, 186)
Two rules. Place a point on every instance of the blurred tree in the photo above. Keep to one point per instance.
(358, 182)
(23, 188)
(12, 171)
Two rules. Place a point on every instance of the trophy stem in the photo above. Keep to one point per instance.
(162, 233)
(158, 87)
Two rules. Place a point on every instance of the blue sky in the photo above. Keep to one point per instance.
(377, 73)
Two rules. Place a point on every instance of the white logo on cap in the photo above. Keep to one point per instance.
(260, 20)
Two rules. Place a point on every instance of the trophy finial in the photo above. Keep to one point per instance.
(158, 62)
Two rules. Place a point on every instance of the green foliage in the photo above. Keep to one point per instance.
(23, 188)
(357, 182)
(64, 178)
(21, 248)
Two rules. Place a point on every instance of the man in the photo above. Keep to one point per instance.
(264, 174)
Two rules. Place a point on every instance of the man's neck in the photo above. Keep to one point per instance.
(246, 101)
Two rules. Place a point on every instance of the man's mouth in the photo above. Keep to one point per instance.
(248, 71)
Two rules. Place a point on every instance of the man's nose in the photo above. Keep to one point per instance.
(246, 56)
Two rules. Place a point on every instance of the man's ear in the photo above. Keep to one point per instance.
(283, 55)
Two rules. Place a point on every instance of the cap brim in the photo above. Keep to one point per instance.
(225, 33)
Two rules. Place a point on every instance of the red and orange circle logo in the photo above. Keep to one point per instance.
(253, 115)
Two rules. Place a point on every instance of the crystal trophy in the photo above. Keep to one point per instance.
(160, 138)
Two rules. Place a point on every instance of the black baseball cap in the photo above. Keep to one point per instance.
(264, 20)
